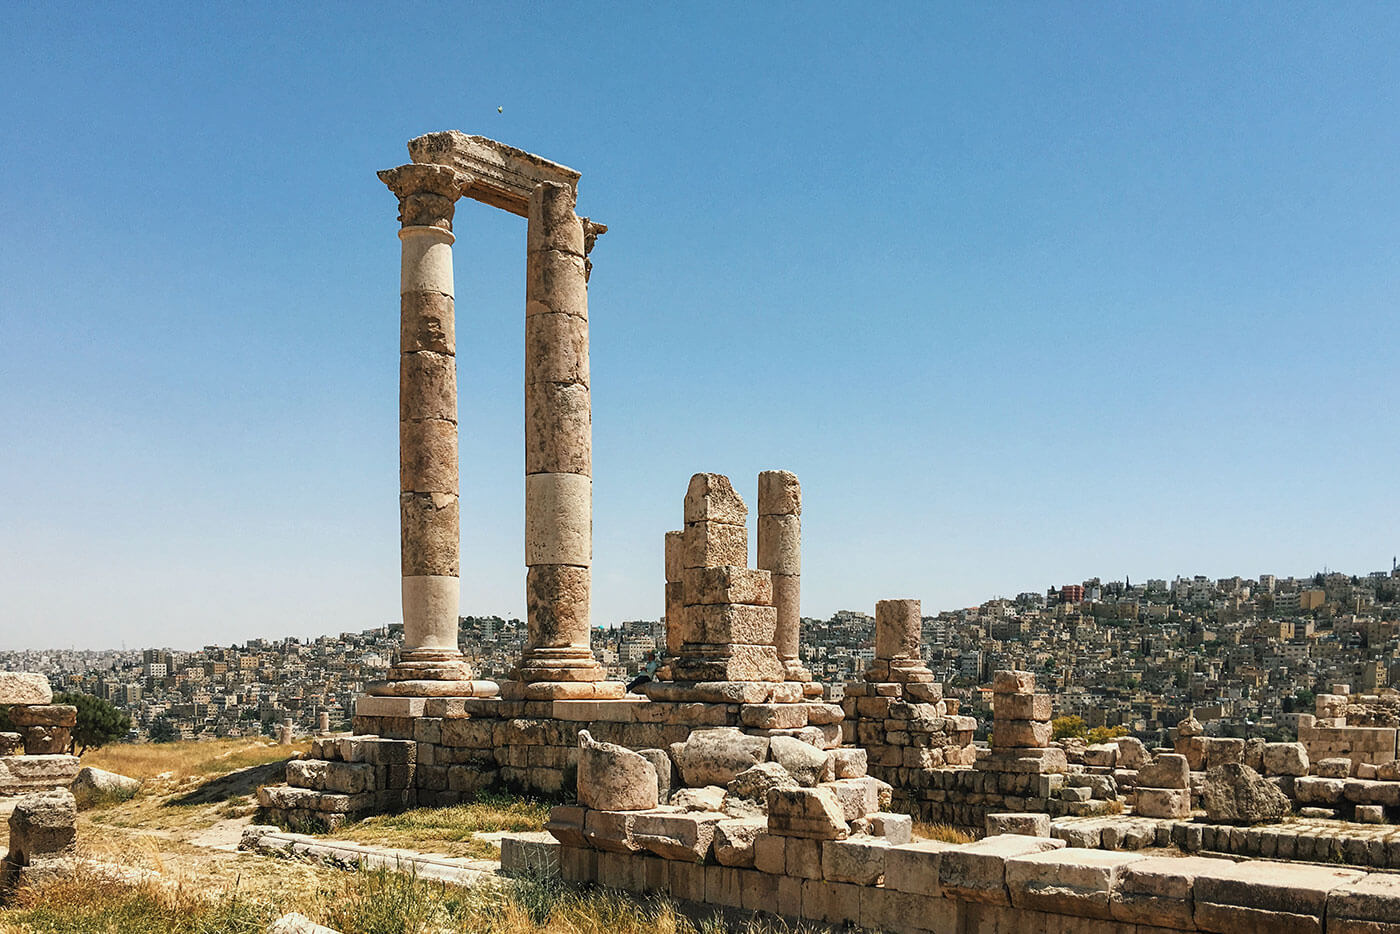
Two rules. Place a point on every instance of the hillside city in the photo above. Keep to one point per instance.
(1243, 655)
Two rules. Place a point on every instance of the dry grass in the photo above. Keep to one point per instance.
(174, 763)
(359, 903)
(946, 833)
(450, 830)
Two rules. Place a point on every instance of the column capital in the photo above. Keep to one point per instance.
(427, 193)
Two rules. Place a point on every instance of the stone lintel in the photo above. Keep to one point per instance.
(501, 176)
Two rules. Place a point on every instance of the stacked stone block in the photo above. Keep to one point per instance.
(44, 734)
(1021, 729)
(897, 713)
(344, 779)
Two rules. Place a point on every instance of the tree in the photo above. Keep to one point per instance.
(1064, 727)
(161, 730)
(99, 722)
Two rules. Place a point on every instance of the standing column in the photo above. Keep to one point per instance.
(430, 663)
(898, 630)
(557, 661)
(780, 553)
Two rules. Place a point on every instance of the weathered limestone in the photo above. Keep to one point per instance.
(558, 449)
(47, 728)
(36, 773)
(780, 554)
(613, 778)
(814, 813)
(1236, 794)
(898, 631)
(92, 785)
(43, 833)
(430, 662)
(24, 687)
(1021, 730)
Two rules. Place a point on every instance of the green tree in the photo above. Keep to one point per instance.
(161, 730)
(1064, 727)
(99, 722)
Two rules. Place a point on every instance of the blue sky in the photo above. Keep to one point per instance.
(1024, 294)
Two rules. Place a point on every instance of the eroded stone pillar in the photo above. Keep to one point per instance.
(430, 663)
(780, 553)
(558, 452)
(898, 630)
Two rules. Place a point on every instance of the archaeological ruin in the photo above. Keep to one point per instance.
(733, 778)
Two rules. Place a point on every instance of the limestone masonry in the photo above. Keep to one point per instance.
(732, 777)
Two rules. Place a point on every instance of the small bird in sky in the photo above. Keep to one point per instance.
(500, 110)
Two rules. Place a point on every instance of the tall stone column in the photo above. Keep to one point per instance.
(557, 660)
(430, 663)
(780, 553)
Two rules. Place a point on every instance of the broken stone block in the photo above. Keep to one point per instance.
(1370, 814)
(1132, 752)
(686, 836)
(566, 824)
(1013, 682)
(610, 831)
(747, 794)
(813, 813)
(660, 760)
(859, 860)
(711, 497)
(806, 763)
(897, 829)
(1067, 881)
(735, 662)
(1236, 794)
(1101, 755)
(734, 840)
(43, 826)
(1163, 802)
(1310, 790)
(850, 762)
(23, 687)
(92, 785)
(1027, 825)
(25, 774)
(1335, 767)
(708, 798)
(1168, 770)
(976, 872)
(614, 778)
(717, 756)
(860, 797)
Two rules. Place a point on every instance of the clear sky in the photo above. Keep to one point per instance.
(1024, 293)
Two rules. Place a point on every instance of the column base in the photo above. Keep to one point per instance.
(572, 664)
(562, 690)
(432, 688)
(898, 670)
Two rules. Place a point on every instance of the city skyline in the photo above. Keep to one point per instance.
(1015, 293)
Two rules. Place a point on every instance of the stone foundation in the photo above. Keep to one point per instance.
(1004, 883)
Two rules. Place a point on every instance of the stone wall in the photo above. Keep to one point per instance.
(999, 884)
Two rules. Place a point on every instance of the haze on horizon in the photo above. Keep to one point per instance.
(1023, 295)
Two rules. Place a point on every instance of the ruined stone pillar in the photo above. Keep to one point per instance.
(430, 663)
(558, 451)
(898, 628)
(780, 553)
(675, 596)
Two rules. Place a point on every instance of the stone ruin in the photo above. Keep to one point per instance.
(35, 758)
(733, 778)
